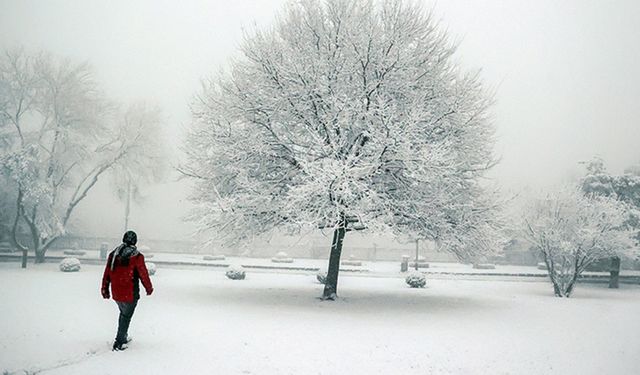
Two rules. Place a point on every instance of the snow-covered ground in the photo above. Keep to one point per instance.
(199, 322)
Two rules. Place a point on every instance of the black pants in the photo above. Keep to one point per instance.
(126, 312)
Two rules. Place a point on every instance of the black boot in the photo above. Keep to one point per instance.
(119, 346)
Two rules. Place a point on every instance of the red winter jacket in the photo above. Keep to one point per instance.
(123, 274)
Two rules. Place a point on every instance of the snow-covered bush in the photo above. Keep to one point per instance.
(321, 276)
(151, 267)
(70, 265)
(236, 273)
(416, 280)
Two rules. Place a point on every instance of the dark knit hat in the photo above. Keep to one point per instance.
(130, 238)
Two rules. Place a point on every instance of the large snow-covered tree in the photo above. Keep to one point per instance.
(346, 114)
(572, 230)
(59, 136)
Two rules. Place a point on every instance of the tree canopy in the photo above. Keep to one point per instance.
(346, 111)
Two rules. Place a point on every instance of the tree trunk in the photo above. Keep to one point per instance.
(417, 254)
(569, 290)
(127, 208)
(37, 245)
(574, 278)
(40, 255)
(14, 231)
(552, 276)
(35, 239)
(614, 272)
(559, 286)
(44, 246)
(331, 283)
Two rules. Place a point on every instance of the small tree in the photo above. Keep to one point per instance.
(145, 164)
(347, 114)
(572, 230)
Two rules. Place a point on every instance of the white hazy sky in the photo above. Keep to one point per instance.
(566, 76)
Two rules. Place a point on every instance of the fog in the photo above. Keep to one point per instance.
(565, 75)
(421, 267)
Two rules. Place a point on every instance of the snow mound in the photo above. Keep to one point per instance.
(416, 279)
(70, 265)
(151, 267)
(236, 273)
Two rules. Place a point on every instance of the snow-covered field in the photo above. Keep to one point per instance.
(199, 322)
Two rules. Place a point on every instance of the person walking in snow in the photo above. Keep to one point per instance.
(125, 268)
